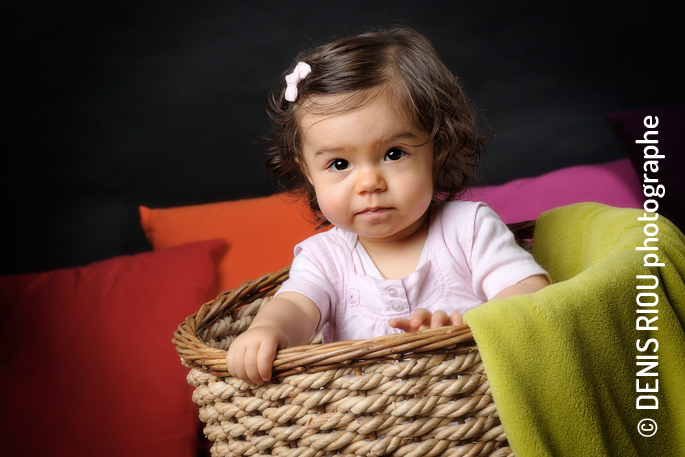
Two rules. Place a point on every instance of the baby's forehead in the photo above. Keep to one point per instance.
(320, 108)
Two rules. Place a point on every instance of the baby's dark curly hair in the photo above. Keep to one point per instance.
(398, 62)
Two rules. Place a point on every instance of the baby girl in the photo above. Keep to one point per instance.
(378, 135)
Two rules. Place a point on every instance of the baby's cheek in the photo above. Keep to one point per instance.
(333, 209)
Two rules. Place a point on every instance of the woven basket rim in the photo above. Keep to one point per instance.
(313, 357)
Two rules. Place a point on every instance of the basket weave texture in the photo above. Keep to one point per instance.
(404, 395)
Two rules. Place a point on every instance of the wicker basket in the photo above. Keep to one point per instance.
(405, 395)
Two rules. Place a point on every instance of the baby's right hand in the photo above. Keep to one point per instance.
(423, 319)
(252, 354)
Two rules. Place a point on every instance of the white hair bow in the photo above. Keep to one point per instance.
(300, 72)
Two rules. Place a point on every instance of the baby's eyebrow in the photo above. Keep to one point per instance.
(401, 135)
(418, 141)
(333, 150)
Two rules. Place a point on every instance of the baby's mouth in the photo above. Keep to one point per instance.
(374, 211)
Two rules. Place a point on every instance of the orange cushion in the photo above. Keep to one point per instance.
(260, 233)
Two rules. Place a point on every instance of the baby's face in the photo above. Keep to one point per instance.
(371, 170)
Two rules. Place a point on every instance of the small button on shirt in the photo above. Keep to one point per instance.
(469, 256)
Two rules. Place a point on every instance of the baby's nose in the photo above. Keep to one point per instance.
(370, 179)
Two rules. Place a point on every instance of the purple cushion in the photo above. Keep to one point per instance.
(614, 183)
(671, 144)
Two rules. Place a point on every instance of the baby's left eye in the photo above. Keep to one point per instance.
(395, 154)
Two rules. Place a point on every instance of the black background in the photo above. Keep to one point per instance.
(111, 105)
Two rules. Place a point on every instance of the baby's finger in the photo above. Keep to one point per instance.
(457, 318)
(250, 364)
(400, 323)
(237, 367)
(420, 319)
(265, 360)
(229, 362)
(439, 319)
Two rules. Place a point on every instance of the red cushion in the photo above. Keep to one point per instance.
(86, 361)
(261, 233)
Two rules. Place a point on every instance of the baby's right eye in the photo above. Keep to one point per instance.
(338, 164)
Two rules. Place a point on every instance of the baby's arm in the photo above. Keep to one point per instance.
(527, 286)
(288, 320)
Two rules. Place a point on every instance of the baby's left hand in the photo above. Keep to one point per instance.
(422, 319)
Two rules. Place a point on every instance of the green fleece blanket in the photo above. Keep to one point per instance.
(564, 363)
